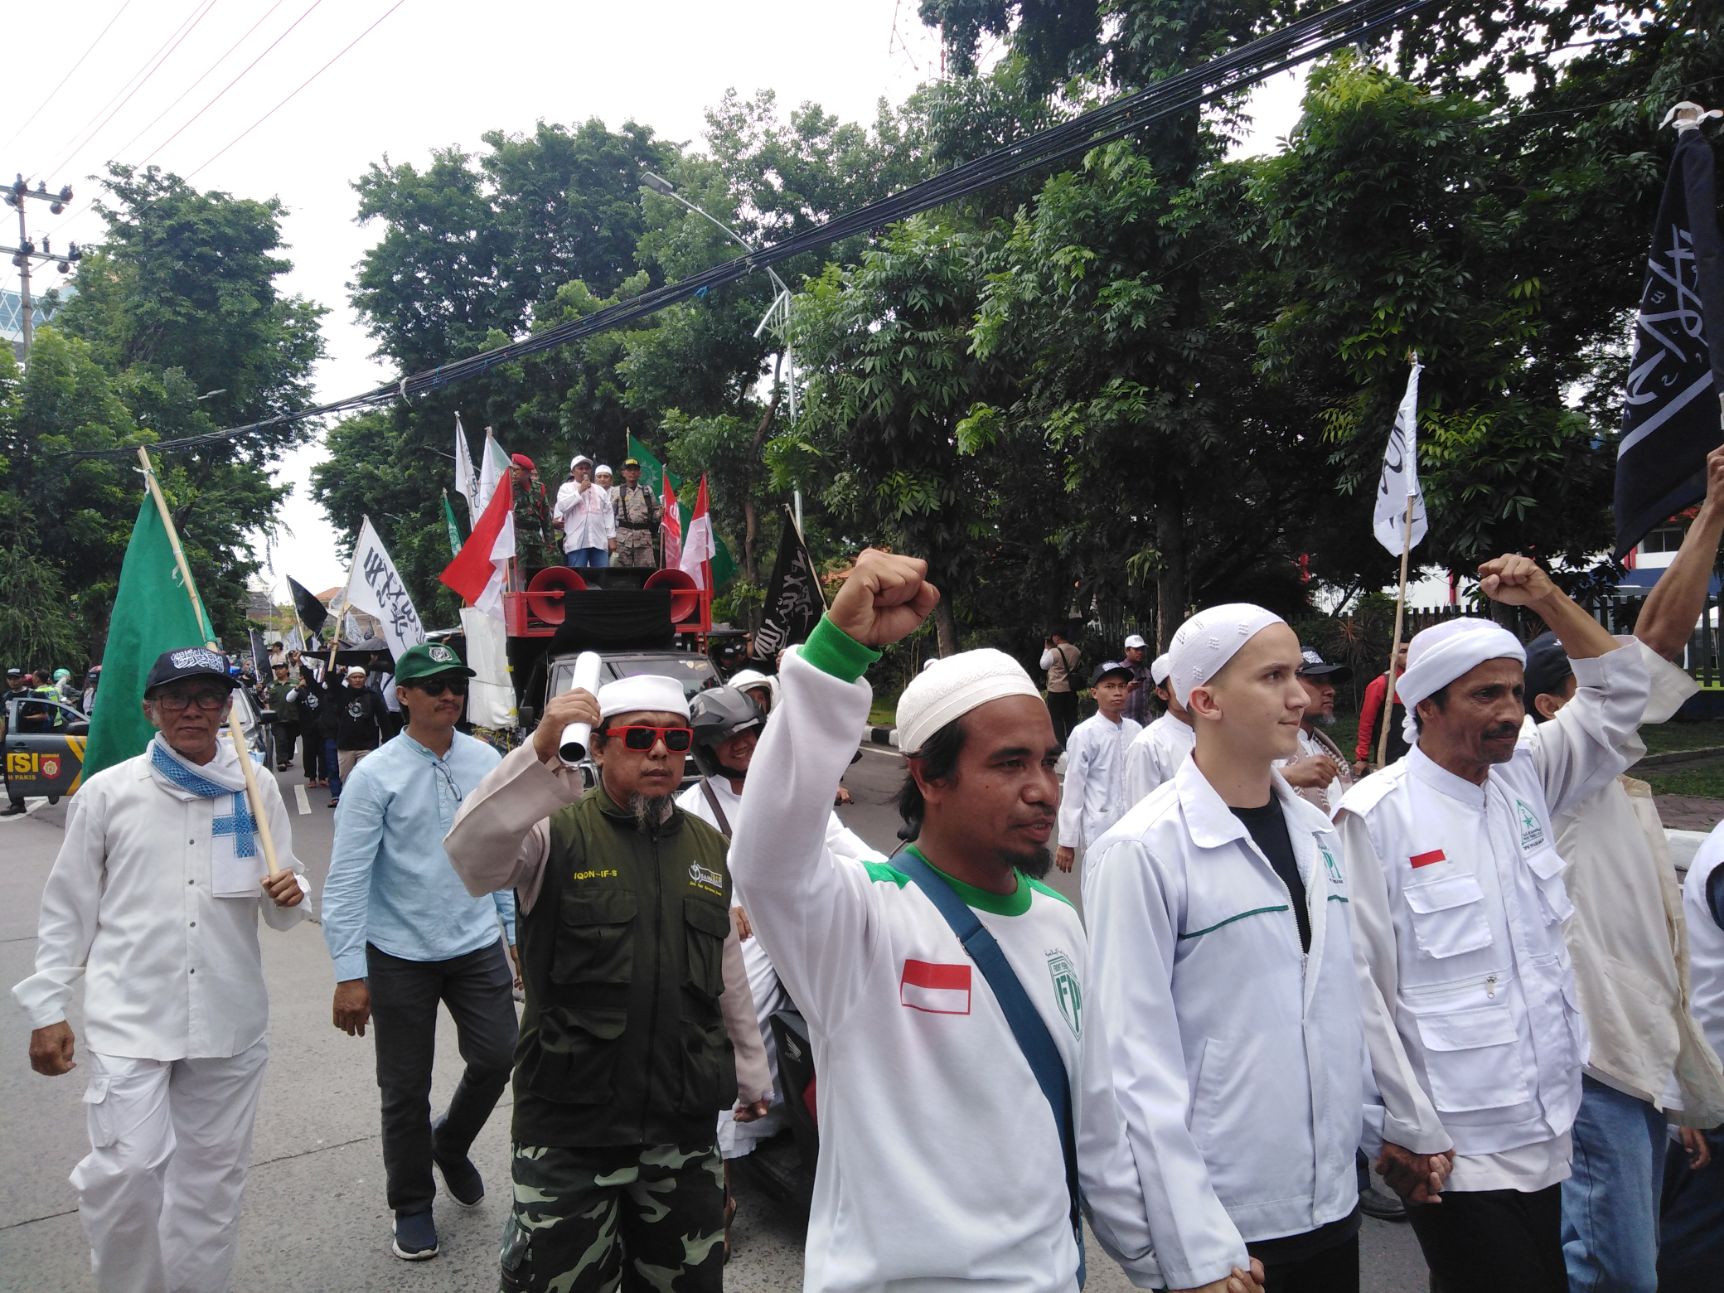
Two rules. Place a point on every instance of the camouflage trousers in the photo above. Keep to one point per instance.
(634, 548)
(633, 1217)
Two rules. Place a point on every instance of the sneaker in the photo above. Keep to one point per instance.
(465, 1184)
(415, 1237)
(1381, 1204)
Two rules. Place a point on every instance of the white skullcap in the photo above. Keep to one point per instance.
(1158, 669)
(645, 691)
(948, 689)
(603, 470)
(1208, 640)
(1440, 654)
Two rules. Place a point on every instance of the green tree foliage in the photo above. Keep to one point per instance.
(181, 302)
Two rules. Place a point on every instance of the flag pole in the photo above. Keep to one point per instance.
(1395, 647)
(253, 795)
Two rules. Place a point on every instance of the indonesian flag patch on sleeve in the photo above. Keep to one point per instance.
(937, 989)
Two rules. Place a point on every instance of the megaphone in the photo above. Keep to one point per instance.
(684, 592)
(546, 590)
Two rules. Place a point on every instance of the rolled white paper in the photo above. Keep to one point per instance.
(573, 746)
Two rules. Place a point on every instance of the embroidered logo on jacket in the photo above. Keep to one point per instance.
(1330, 865)
(934, 988)
(1068, 992)
(704, 878)
(1531, 833)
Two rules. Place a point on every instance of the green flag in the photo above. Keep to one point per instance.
(652, 472)
(152, 614)
(449, 520)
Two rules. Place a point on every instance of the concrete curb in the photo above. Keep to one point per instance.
(1671, 757)
(880, 736)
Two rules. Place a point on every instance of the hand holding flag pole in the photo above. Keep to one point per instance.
(253, 796)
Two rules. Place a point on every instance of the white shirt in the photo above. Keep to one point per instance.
(586, 517)
(171, 972)
(1458, 909)
(1237, 1056)
(1327, 798)
(1094, 795)
(940, 1159)
(1706, 939)
(1156, 754)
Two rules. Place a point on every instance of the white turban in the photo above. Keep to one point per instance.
(644, 691)
(1158, 669)
(1208, 640)
(1440, 654)
(948, 689)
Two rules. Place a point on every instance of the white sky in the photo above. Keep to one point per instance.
(433, 73)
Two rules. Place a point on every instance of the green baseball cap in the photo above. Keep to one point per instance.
(427, 660)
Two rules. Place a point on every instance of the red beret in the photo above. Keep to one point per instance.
(521, 460)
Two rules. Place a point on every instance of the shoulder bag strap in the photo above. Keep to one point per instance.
(718, 812)
(1027, 1026)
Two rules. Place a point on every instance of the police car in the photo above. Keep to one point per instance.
(44, 747)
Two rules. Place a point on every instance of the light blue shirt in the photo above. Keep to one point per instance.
(390, 882)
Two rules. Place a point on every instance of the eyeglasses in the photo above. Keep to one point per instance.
(178, 702)
(644, 738)
(437, 686)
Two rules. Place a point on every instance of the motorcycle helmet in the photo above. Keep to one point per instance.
(716, 715)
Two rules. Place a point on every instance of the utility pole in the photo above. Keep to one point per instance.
(25, 252)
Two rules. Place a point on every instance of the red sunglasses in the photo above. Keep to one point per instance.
(640, 737)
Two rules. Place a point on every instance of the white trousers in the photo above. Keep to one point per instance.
(159, 1194)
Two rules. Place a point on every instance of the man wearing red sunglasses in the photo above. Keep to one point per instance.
(633, 981)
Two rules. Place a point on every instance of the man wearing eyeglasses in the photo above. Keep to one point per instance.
(153, 902)
(634, 978)
(405, 936)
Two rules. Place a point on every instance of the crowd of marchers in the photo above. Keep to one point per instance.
(1473, 967)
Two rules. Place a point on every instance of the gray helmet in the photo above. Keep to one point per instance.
(717, 714)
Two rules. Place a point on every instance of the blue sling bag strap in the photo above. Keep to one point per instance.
(1026, 1024)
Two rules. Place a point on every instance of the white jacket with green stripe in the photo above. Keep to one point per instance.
(1238, 1058)
(940, 1162)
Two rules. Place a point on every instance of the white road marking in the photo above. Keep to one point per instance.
(299, 797)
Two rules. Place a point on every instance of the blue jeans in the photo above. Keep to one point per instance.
(331, 767)
(1610, 1204)
(587, 558)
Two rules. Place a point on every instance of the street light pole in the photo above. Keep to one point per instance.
(25, 251)
(780, 307)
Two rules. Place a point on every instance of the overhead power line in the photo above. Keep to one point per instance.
(48, 98)
(138, 81)
(308, 80)
(219, 93)
(1345, 24)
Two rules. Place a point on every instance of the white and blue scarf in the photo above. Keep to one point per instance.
(235, 865)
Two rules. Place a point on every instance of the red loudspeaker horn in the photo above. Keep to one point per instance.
(545, 592)
(684, 592)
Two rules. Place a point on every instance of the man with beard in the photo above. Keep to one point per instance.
(1459, 906)
(633, 978)
(1223, 975)
(153, 902)
(405, 938)
(1319, 771)
(946, 1083)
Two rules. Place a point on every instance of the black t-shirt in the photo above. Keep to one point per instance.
(356, 715)
(1268, 826)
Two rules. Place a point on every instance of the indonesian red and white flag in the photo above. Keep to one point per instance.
(671, 523)
(697, 548)
(479, 572)
(935, 988)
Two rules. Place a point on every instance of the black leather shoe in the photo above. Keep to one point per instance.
(465, 1184)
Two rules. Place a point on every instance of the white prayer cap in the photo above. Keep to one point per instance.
(578, 459)
(1440, 654)
(603, 470)
(948, 689)
(1158, 669)
(645, 691)
(1208, 640)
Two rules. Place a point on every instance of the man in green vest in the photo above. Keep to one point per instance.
(635, 994)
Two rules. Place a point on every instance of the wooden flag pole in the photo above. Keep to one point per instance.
(253, 795)
(1395, 649)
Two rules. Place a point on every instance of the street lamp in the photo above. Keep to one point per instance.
(778, 313)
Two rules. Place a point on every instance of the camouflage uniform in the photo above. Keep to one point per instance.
(665, 1204)
(637, 513)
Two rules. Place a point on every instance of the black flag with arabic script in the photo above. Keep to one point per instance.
(312, 613)
(1671, 414)
(793, 601)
